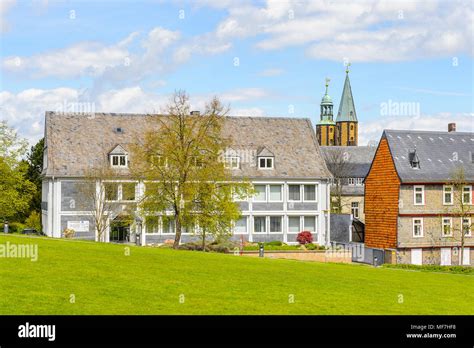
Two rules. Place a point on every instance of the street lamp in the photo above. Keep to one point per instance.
(139, 222)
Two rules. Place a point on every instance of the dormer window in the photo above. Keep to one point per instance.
(119, 160)
(265, 162)
(414, 160)
(232, 162)
(118, 157)
(265, 159)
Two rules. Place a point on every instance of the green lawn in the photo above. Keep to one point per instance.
(150, 281)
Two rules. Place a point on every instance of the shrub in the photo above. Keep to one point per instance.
(34, 221)
(274, 242)
(304, 237)
(69, 233)
(15, 227)
(311, 246)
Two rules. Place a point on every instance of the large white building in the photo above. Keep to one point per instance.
(280, 156)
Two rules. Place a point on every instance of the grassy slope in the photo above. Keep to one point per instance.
(150, 281)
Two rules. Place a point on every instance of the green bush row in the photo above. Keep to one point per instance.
(434, 268)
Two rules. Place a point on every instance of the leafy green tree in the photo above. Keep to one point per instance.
(180, 162)
(34, 221)
(16, 190)
(35, 167)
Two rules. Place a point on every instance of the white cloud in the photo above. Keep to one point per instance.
(367, 30)
(372, 130)
(84, 58)
(25, 110)
(271, 72)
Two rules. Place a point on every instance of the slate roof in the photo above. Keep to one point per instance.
(76, 142)
(439, 154)
(347, 110)
(360, 157)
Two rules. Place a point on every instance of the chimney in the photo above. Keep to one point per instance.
(195, 113)
(451, 127)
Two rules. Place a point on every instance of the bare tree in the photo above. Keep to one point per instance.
(461, 203)
(337, 161)
(98, 193)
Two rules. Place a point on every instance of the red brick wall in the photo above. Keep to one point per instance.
(382, 189)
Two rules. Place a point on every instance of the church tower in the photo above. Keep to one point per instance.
(326, 127)
(346, 121)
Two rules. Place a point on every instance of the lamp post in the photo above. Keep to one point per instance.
(139, 236)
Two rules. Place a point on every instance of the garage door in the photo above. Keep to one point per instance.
(416, 256)
(466, 256)
(445, 256)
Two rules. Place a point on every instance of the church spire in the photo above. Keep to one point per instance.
(347, 112)
(326, 115)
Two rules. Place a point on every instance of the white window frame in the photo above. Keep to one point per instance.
(161, 226)
(288, 224)
(288, 191)
(158, 231)
(266, 158)
(470, 194)
(315, 219)
(120, 190)
(118, 161)
(265, 224)
(469, 224)
(229, 162)
(451, 194)
(450, 227)
(421, 227)
(266, 194)
(269, 193)
(422, 187)
(269, 224)
(316, 187)
(357, 208)
(246, 217)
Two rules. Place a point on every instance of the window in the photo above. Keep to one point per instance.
(294, 193)
(232, 162)
(111, 191)
(115, 191)
(447, 195)
(265, 162)
(157, 161)
(447, 227)
(259, 224)
(118, 160)
(309, 223)
(467, 195)
(261, 193)
(128, 191)
(168, 225)
(294, 224)
(241, 225)
(275, 193)
(466, 227)
(417, 227)
(355, 209)
(152, 224)
(355, 181)
(310, 192)
(275, 224)
(419, 195)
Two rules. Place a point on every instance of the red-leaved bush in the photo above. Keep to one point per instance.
(304, 237)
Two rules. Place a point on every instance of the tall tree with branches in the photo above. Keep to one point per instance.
(181, 164)
(337, 161)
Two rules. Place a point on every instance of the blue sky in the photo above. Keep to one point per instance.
(265, 58)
